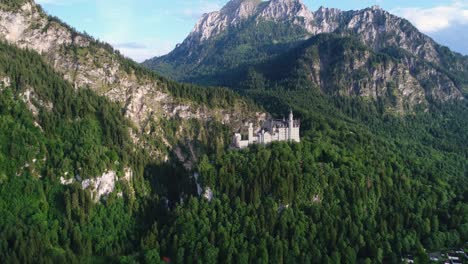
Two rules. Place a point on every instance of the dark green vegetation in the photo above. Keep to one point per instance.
(363, 186)
(49, 130)
(228, 53)
(81, 134)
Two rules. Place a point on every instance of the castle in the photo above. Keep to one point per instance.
(271, 131)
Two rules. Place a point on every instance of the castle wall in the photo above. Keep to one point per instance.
(283, 134)
(295, 137)
(243, 144)
(239, 143)
(272, 131)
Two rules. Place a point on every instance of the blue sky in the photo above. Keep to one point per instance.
(141, 29)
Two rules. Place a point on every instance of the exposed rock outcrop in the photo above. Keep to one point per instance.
(5, 82)
(86, 63)
(236, 39)
(101, 186)
(375, 26)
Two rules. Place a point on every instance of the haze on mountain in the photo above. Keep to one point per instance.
(103, 160)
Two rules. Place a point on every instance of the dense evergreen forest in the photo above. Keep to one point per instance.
(51, 131)
(363, 186)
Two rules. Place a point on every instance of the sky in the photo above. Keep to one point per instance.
(142, 29)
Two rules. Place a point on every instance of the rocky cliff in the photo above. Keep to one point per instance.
(376, 27)
(148, 100)
(344, 66)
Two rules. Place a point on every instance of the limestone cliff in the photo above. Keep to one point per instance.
(252, 33)
(344, 66)
(148, 100)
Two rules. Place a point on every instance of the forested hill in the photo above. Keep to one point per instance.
(348, 193)
(102, 161)
(164, 113)
(50, 130)
(363, 186)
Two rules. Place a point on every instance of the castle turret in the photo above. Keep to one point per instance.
(291, 126)
(251, 133)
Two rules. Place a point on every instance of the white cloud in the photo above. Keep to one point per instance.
(140, 51)
(437, 18)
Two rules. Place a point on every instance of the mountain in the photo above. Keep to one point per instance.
(225, 44)
(343, 66)
(148, 100)
(104, 161)
(83, 127)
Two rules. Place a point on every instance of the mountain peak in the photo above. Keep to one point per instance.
(240, 9)
(214, 23)
(236, 11)
(288, 22)
(291, 11)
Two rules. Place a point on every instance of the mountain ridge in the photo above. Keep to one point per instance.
(362, 186)
(147, 99)
(208, 56)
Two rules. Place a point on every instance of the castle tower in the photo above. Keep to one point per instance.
(251, 132)
(291, 126)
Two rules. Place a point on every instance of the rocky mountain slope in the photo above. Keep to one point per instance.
(154, 104)
(248, 33)
(328, 63)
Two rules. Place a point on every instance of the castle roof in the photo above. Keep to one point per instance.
(279, 123)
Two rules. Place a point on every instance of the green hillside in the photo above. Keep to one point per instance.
(50, 132)
(217, 58)
(362, 186)
(381, 171)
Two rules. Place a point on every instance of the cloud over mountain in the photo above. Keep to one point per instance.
(436, 18)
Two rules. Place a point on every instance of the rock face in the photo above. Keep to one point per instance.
(241, 36)
(293, 11)
(4, 82)
(215, 23)
(237, 11)
(344, 66)
(375, 26)
(146, 100)
(101, 186)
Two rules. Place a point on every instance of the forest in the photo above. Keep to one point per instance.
(363, 186)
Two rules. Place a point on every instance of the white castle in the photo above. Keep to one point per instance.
(271, 131)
